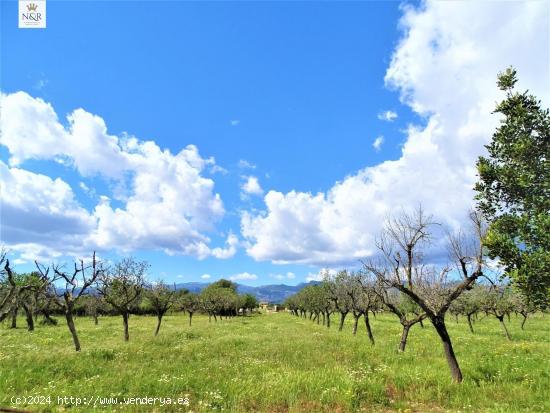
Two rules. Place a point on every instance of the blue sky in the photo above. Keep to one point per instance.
(287, 94)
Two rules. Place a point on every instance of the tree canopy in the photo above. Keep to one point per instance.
(513, 190)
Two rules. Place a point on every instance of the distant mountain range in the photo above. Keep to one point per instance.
(271, 293)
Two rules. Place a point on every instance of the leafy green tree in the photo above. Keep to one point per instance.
(220, 299)
(249, 302)
(223, 283)
(189, 302)
(160, 298)
(338, 287)
(514, 190)
(122, 287)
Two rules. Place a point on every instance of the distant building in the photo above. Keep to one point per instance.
(271, 308)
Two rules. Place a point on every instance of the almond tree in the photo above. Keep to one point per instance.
(337, 286)
(523, 307)
(189, 302)
(358, 305)
(499, 303)
(94, 305)
(402, 307)
(122, 286)
(369, 299)
(470, 303)
(14, 289)
(401, 266)
(161, 298)
(8, 287)
(326, 304)
(66, 288)
(29, 298)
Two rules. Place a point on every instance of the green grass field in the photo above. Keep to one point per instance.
(278, 363)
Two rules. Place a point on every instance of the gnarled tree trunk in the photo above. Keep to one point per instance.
(469, 317)
(14, 311)
(29, 317)
(342, 319)
(503, 324)
(72, 329)
(369, 330)
(404, 336)
(355, 321)
(524, 315)
(439, 324)
(125, 317)
(159, 320)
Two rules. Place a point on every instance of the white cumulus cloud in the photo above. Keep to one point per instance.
(252, 186)
(444, 68)
(163, 200)
(39, 215)
(243, 276)
(231, 245)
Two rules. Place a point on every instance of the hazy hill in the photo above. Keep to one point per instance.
(276, 293)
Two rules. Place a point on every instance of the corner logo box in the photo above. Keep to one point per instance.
(32, 14)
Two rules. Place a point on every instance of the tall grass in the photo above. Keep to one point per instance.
(279, 363)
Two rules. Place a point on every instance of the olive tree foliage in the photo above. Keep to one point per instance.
(220, 299)
(513, 190)
(401, 265)
(318, 303)
(293, 306)
(160, 298)
(66, 288)
(122, 285)
(188, 302)
(248, 303)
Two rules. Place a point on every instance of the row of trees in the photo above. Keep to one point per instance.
(400, 280)
(511, 226)
(349, 293)
(122, 289)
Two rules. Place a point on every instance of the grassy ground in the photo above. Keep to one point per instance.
(277, 363)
